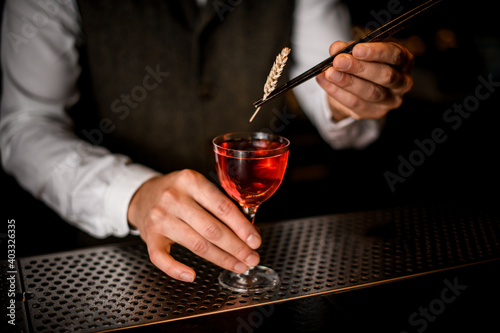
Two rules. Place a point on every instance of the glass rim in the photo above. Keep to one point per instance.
(253, 135)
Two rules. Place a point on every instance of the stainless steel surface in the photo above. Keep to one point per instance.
(116, 286)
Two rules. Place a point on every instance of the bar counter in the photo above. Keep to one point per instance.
(404, 269)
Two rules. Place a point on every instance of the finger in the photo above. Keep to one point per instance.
(182, 233)
(382, 74)
(209, 197)
(214, 232)
(159, 254)
(388, 53)
(364, 89)
(352, 105)
(337, 46)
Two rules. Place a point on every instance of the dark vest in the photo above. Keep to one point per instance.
(167, 77)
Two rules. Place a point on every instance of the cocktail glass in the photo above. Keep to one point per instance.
(250, 167)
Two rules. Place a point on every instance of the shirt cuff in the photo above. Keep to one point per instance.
(119, 194)
(327, 116)
(348, 132)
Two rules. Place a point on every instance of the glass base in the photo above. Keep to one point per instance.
(256, 279)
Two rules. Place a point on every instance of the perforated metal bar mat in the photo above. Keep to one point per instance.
(116, 287)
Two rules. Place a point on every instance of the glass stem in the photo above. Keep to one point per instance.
(250, 215)
(250, 212)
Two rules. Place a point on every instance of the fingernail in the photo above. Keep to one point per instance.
(240, 267)
(254, 241)
(336, 76)
(360, 51)
(188, 277)
(343, 63)
(252, 260)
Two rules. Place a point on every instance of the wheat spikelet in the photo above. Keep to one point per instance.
(274, 74)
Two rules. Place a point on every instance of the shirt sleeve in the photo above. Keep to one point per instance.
(317, 24)
(87, 185)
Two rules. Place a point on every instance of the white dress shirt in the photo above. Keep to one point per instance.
(87, 185)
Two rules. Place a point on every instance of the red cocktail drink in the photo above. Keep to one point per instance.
(250, 169)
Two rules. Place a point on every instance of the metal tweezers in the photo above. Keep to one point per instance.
(377, 35)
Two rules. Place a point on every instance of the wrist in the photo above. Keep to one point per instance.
(336, 115)
(136, 204)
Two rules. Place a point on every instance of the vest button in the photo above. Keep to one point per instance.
(206, 90)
